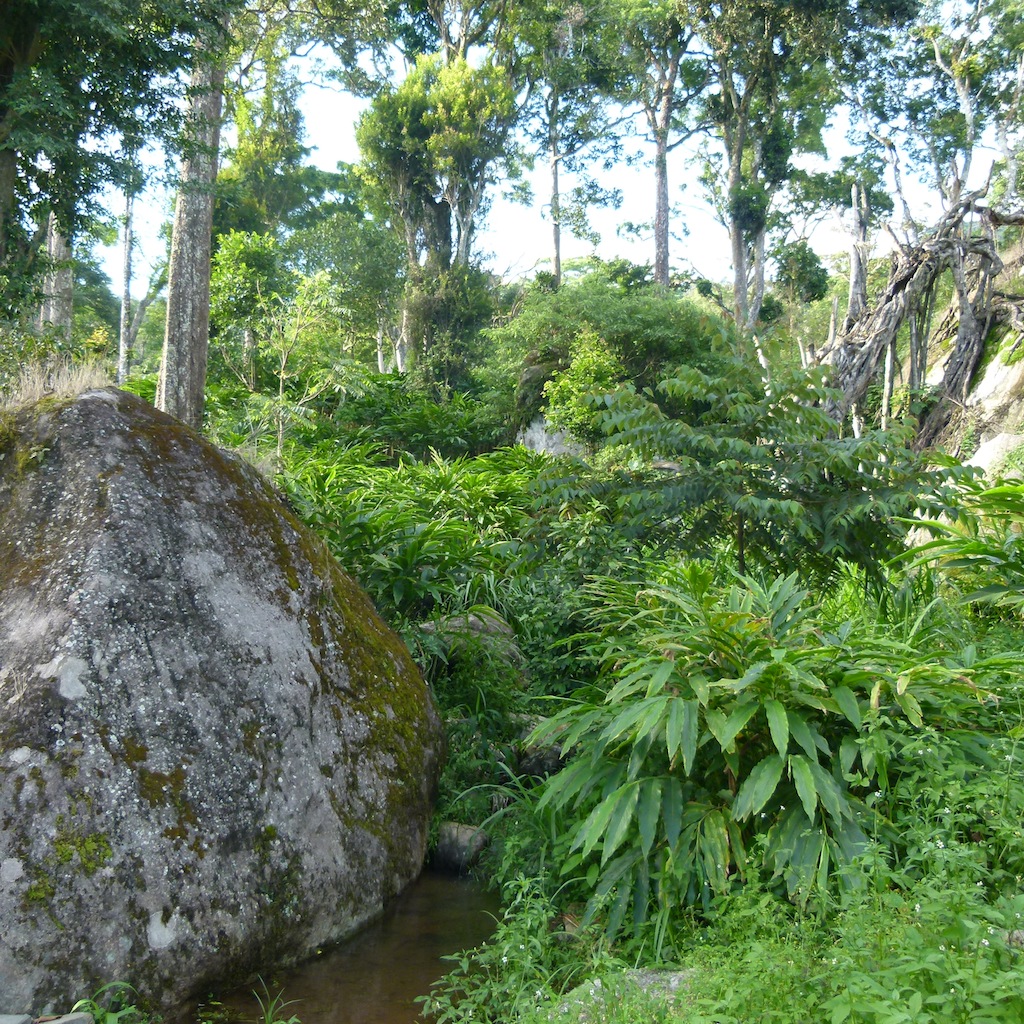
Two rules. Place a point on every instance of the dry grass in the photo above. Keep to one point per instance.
(53, 380)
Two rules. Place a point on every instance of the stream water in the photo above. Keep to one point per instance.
(375, 976)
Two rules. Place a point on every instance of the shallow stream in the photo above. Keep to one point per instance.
(375, 976)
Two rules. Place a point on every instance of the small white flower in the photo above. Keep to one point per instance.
(942, 949)
(504, 959)
(940, 845)
(917, 908)
(984, 942)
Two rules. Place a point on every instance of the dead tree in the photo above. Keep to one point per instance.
(856, 352)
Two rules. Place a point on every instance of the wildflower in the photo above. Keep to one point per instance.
(917, 908)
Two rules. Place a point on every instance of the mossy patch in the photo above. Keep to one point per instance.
(92, 849)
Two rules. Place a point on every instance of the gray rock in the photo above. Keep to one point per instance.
(214, 756)
(595, 1001)
(483, 627)
(459, 846)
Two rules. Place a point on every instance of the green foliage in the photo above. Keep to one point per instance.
(526, 963)
(273, 1008)
(593, 370)
(800, 272)
(982, 548)
(421, 537)
(405, 417)
(642, 327)
(717, 457)
(937, 953)
(81, 86)
(736, 728)
(112, 1004)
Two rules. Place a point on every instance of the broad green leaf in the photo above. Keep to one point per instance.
(691, 724)
(804, 781)
(620, 820)
(673, 728)
(672, 810)
(801, 732)
(714, 850)
(848, 751)
(648, 813)
(778, 725)
(847, 702)
(758, 787)
(594, 828)
(833, 799)
(726, 731)
(701, 689)
(911, 707)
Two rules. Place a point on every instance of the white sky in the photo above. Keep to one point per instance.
(514, 240)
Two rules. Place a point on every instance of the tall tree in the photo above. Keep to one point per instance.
(776, 65)
(570, 60)
(181, 388)
(664, 75)
(433, 145)
(75, 78)
(958, 74)
(186, 339)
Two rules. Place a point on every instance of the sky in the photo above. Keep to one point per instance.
(514, 240)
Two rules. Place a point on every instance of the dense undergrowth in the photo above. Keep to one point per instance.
(802, 789)
(716, 711)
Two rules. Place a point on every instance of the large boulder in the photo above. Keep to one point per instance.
(214, 756)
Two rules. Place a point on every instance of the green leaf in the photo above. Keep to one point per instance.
(648, 813)
(672, 810)
(691, 723)
(620, 819)
(778, 725)
(725, 730)
(849, 706)
(714, 850)
(758, 787)
(698, 682)
(833, 799)
(802, 733)
(801, 772)
(911, 707)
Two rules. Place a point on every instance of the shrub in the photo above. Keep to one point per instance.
(737, 727)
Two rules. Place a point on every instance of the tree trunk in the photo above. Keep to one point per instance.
(59, 284)
(181, 390)
(8, 191)
(858, 293)
(855, 353)
(556, 197)
(661, 207)
(124, 344)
